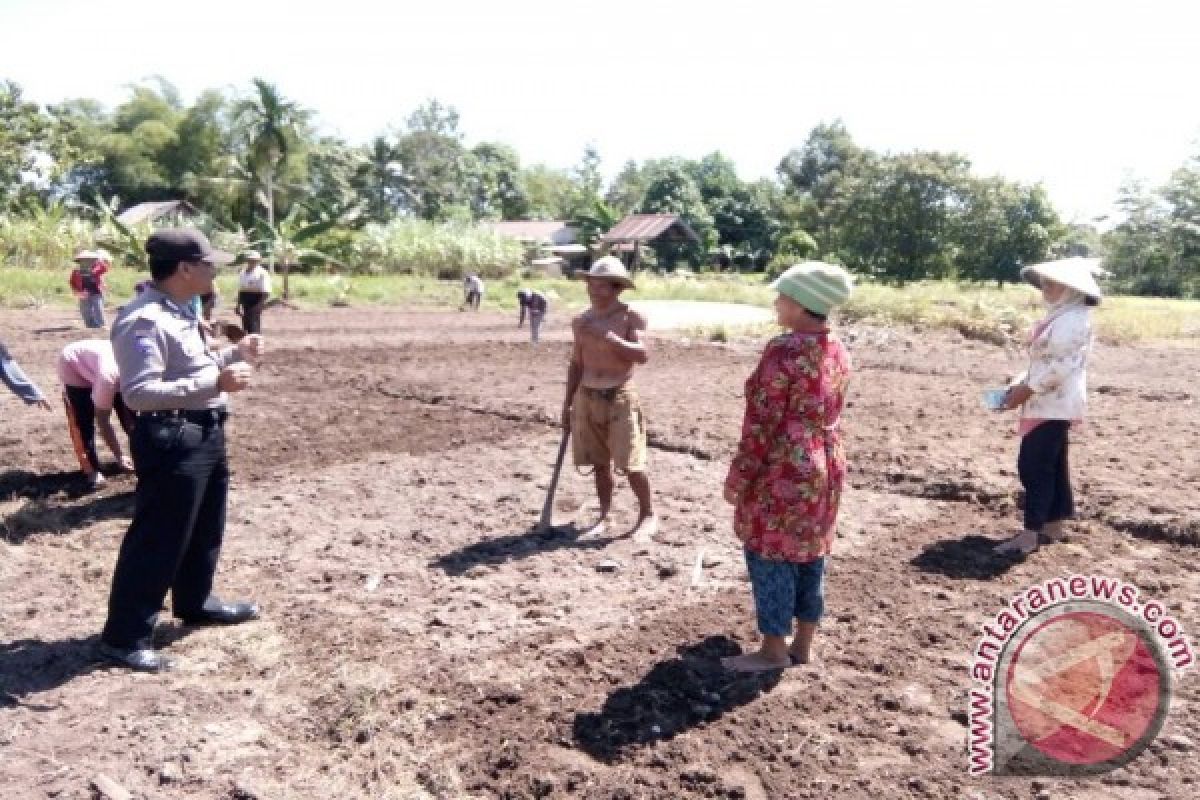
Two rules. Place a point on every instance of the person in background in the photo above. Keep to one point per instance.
(473, 289)
(534, 304)
(87, 281)
(522, 306)
(785, 481)
(254, 289)
(538, 306)
(1052, 397)
(18, 383)
(91, 385)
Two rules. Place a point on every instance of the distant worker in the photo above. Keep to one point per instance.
(91, 393)
(18, 383)
(538, 305)
(473, 288)
(87, 281)
(254, 289)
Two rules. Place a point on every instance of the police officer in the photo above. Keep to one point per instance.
(176, 388)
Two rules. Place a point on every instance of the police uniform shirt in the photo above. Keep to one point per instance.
(164, 362)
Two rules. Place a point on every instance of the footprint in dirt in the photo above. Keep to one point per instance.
(675, 695)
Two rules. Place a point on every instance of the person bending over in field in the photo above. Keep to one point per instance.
(601, 408)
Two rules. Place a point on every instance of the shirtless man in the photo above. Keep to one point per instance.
(601, 407)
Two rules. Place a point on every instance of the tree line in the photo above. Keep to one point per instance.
(254, 161)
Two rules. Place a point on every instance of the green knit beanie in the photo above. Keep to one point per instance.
(816, 286)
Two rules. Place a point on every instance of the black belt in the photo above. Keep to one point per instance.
(208, 417)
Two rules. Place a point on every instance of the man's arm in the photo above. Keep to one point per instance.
(631, 348)
(15, 379)
(109, 434)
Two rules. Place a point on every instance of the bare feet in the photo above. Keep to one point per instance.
(1023, 544)
(755, 662)
(799, 659)
(645, 529)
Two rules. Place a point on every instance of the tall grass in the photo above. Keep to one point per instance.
(44, 240)
(417, 247)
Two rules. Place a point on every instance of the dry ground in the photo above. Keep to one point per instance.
(420, 640)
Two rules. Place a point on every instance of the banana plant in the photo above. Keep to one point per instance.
(284, 241)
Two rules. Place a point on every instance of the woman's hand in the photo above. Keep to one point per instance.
(731, 496)
(1017, 396)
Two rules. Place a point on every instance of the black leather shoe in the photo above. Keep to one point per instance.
(139, 659)
(222, 614)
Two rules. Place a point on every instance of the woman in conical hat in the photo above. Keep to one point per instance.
(1052, 396)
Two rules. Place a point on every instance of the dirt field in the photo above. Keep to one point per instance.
(421, 641)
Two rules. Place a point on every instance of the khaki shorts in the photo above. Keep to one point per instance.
(607, 427)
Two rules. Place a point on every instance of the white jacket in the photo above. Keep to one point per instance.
(1058, 367)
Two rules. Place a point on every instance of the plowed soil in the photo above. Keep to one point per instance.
(422, 640)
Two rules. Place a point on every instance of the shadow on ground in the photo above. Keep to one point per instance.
(674, 696)
(30, 666)
(59, 502)
(968, 558)
(515, 547)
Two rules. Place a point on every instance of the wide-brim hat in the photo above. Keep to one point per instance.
(1075, 273)
(816, 286)
(610, 268)
(252, 255)
(86, 255)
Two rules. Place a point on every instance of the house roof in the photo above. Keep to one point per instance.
(145, 212)
(555, 231)
(644, 227)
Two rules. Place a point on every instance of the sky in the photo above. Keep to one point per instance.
(1079, 96)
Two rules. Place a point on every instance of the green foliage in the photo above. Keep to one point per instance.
(670, 189)
(254, 163)
(418, 247)
(793, 248)
(1156, 249)
(43, 237)
(594, 220)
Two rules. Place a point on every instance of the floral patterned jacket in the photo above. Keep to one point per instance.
(790, 467)
(1058, 366)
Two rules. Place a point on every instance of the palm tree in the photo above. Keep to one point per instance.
(273, 129)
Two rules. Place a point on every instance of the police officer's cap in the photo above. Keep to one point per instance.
(184, 244)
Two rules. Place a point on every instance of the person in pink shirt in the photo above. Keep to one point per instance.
(91, 393)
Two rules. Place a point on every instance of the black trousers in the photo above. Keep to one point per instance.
(252, 304)
(174, 540)
(81, 419)
(1045, 474)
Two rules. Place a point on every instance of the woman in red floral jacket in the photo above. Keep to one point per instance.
(786, 480)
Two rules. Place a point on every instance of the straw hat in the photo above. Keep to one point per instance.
(86, 255)
(610, 268)
(251, 255)
(816, 286)
(1076, 273)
